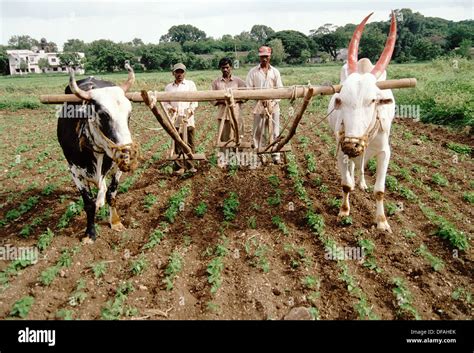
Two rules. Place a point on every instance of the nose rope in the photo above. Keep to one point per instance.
(116, 149)
(369, 134)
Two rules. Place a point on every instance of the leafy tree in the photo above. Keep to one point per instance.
(105, 55)
(465, 48)
(403, 45)
(330, 38)
(75, 45)
(414, 22)
(372, 43)
(43, 64)
(325, 57)
(260, 33)
(278, 51)
(459, 32)
(152, 57)
(294, 43)
(23, 65)
(4, 62)
(136, 42)
(424, 49)
(305, 55)
(228, 43)
(252, 57)
(22, 42)
(206, 46)
(182, 33)
(244, 42)
(70, 59)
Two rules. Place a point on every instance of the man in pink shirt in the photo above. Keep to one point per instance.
(226, 81)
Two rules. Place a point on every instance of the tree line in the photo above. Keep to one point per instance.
(418, 38)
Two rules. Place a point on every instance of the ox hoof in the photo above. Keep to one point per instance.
(118, 227)
(384, 226)
(343, 213)
(363, 186)
(88, 240)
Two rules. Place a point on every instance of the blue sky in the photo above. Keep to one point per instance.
(58, 21)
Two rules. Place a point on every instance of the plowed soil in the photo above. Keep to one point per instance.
(264, 272)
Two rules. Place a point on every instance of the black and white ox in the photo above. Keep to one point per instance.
(361, 116)
(97, 143)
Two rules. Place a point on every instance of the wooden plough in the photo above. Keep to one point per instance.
(151, 98)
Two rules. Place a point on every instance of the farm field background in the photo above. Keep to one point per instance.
(238, 243)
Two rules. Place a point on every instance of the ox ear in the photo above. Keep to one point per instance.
(337, 103)
(383, 101)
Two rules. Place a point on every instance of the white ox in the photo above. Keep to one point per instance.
(361, 116)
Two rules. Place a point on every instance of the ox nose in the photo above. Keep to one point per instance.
(352, 148)
(124, 160)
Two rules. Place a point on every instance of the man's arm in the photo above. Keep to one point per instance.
(279, 83)
(168, 105)
(249, 80)
(192, 88)
(241, 84)
(214, 87)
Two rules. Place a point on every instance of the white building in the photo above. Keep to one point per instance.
(24, 61)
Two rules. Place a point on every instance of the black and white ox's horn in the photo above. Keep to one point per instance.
(131, 78)
(86, 95)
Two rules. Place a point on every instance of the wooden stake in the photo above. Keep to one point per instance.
(229, 98)
(307, 99)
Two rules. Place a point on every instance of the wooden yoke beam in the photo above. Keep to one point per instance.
(240, 94)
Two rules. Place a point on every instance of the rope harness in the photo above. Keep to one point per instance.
(125, 156)
(363, 141)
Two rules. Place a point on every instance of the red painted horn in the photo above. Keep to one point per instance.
(384, 59)
(354, 46)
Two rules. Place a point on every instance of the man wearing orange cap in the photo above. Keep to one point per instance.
(265, 76)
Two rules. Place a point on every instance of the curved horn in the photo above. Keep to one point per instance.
(384, 59)
(131, 78)
(86, 95)
(354, 46)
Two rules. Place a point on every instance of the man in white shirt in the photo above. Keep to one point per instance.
(182, 112)
(265, 76)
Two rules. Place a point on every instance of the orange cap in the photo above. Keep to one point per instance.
(264, 51)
